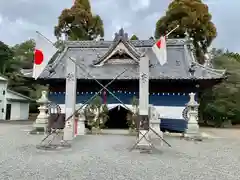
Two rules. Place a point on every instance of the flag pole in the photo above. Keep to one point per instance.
(46, 38)
(172, 31)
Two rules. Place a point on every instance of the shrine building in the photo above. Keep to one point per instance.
(169, 85)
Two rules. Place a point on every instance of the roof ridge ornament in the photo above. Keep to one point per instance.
(130, 50)
(121, 35)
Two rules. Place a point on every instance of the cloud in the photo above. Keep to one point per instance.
(19, 19)
(137, 5)
(1, 19)
(226, 18)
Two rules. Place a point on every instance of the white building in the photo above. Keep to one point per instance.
(13, 106)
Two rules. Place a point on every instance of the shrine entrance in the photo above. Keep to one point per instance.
(117, 118)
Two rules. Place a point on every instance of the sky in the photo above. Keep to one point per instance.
(19, 19)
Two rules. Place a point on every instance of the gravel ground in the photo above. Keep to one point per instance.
(107, 157)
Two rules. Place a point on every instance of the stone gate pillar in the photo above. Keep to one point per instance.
(70, 98)
(144, 99)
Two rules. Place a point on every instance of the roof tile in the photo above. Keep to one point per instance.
(87, 53)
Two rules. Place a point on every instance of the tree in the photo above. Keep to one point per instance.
(13, 59)
(60, 45)
(78, 22)
(233, 55)
(6, 56)
(24, 53)
(134, 37)
(222, 101)
(133, 115)
(22, 58)
(193, 17)
(9, 65)
(96, 113)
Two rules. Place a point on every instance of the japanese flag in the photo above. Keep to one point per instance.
(43, 53)
(160, 50)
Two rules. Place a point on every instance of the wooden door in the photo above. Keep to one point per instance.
(8, 111)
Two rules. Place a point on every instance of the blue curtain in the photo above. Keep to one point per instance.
(155, 99)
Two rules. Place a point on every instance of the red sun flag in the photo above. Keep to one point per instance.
(43, 53)
(158, 43)
(38, 57)
(160, 50)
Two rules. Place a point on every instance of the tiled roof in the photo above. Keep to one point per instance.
(86, 53)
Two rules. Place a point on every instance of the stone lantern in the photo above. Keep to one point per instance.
(42, 118)
(192, 113)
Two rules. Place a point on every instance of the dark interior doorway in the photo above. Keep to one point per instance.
(8, 111)
(117, 118)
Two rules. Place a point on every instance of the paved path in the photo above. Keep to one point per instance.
(106, 157)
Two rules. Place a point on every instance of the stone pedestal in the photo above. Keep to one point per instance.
(144, 142)
(81, 124)
(42, 118)
(144, 136)
(192, 126)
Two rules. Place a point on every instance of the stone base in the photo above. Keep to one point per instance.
(194, 137)
(192, 128)
(38, 129)
(81, 130)
(54, 147)
(42, 120)
(192, 132)
(39, 126)
(144, 148)
(156, 128)
(145, 141)
(68, 134)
